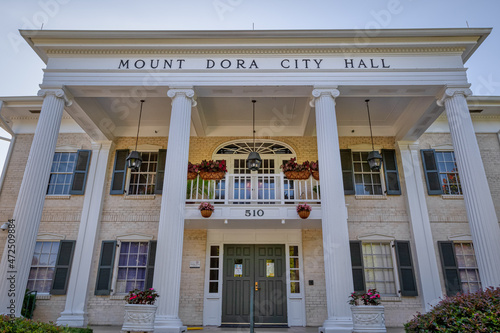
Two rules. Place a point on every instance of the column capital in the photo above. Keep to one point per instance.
(59, 93)
(451, 91)
(408, 145)
(106, 145)
(188, 93)
(318, 92)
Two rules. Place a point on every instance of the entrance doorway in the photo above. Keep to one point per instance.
(245, 268)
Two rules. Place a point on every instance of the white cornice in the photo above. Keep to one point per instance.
(307, 49)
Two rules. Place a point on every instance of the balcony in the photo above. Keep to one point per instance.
(253, 189)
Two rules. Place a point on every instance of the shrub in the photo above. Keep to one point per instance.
(474, 312)
(8, 325)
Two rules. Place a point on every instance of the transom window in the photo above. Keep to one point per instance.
(448, 172)
(61, 173)
(143, 181)
(132, 265)
(262, 147)
(42, 266)
(366, 181)
(467, 267)
(379, 268)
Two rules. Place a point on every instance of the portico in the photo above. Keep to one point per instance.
(310, 88)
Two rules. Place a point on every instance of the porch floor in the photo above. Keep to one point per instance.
(213, 329)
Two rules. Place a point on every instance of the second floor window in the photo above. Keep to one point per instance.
(448, 172)
(366, 181)
(61, 173)
(142, 181)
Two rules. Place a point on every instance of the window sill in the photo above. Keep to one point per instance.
(43, 296)
(370, 197)
(140, 197)
(58, 197)
(118, 296)
(452, 196)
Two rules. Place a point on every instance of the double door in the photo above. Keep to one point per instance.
(259, 269)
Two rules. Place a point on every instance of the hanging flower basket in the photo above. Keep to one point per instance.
(298, 175)
(206, 209)
(192, 175)
(315, 174)
(192, 171)
(304, 214)
(304, 211)
(206, 175)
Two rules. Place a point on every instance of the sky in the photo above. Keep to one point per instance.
(21, 69)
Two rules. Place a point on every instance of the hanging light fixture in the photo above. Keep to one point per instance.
(374, 159)
(253, 161)
(134, 159)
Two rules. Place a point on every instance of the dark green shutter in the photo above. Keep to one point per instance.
(63, 267)
(347, 171)
(431, 172)
(358, 273)
(391, 171)
(80, 172)
(450, 268)
(119, 172)
(105, 270)
(151, 264)
(160, 171)
(405, 267)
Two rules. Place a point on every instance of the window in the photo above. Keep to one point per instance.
(43, 266)
(142, 182)
(213, 279)
(61, 173)
(132, 265)
(379, 268)
(448, 172)
(294, 269)
(366, 181)
(467, 267)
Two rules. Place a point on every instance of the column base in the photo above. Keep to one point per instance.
(168, 324)
(336, 325)
(72, 319)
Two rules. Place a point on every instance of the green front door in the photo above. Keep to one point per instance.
(246, 266)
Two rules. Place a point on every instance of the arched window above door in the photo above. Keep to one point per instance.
(261, 146)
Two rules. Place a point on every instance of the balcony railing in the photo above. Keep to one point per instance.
(253, 189)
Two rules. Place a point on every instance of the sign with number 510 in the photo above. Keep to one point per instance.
(254, 212)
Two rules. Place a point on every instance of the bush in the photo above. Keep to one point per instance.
(22, 325)
(475, 312)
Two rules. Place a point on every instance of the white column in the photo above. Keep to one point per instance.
(481, 213)
(338, 269)
(29, 205)
(167, 276)
(75, 311)
(430, 283)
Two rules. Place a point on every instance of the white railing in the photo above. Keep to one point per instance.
(253, 189)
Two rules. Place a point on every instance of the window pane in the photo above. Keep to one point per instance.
(294, 287)
(294, 251)
(213, 287)
(214, 251)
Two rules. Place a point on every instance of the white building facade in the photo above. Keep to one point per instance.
(88, 229)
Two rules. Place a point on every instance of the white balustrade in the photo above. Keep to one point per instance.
(253, 188)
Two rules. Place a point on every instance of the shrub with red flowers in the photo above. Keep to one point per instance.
(303, 207)
(137, 296)
(473, 312)
(213, 166)
(291, 165)
(371, 297)
(193, 167)
(206, 206)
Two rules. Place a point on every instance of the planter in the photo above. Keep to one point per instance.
(298, 175)
(139, 318)
(368, 318)
(304, 214)
(192, 175)
(206, 175)
(206, 212)
(315, 174)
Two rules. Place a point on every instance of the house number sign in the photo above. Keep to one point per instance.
(254, 212)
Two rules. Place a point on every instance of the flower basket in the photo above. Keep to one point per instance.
(304, 214)
(139, 318)
(192, 175)
(298, 175)
(368, 318)
(207, 175)
(206, 213)
(315, 174)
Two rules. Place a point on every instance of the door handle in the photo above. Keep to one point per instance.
(256, 286)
